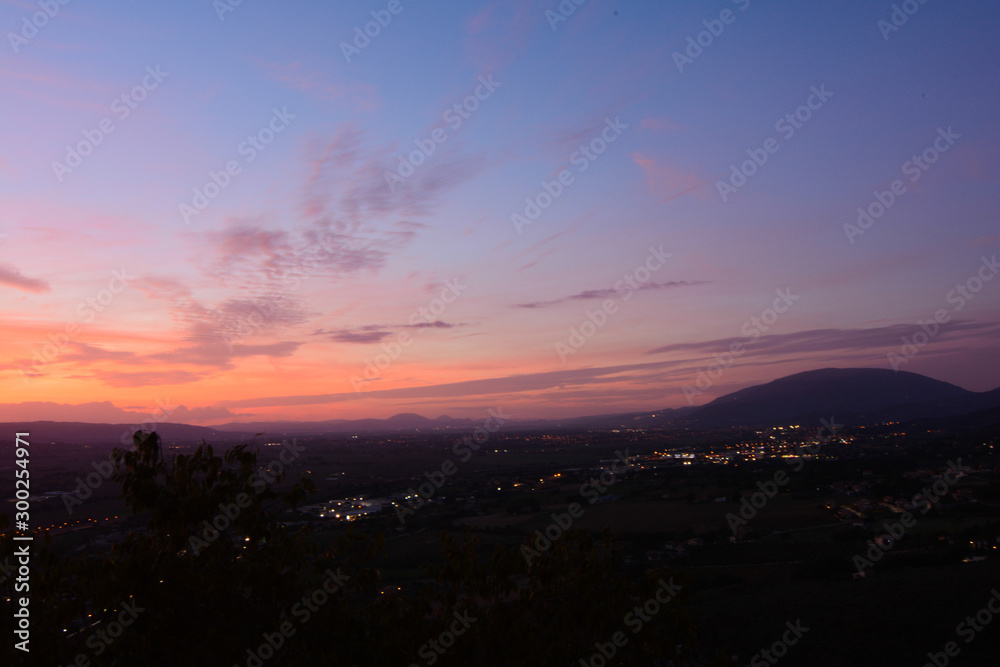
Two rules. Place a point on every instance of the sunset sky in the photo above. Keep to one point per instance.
(130, 279)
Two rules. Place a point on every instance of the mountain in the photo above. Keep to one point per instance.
(850, 395)
(83, 432)
(406, 421)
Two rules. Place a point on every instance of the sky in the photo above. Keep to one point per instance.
(215, 212)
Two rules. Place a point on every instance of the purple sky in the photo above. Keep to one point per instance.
(257, 214)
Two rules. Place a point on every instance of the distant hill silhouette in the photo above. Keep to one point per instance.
(850, 395)
(402, 422)
(84, 432)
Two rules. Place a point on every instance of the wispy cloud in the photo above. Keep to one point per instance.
(12, 277)
(84, 353)
(364, 335)
(825, 340)
(347, 180)
(587, 295)
(374, 333)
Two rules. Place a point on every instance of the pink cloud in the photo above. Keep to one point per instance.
(11, 277)
(665, 181)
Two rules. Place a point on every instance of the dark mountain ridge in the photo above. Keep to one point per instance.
(850, 395)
